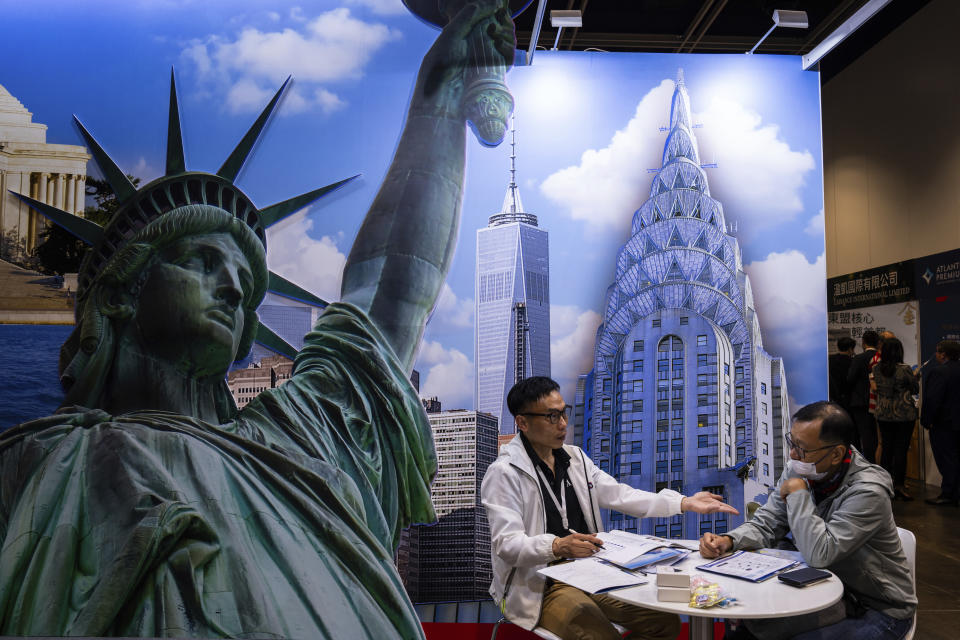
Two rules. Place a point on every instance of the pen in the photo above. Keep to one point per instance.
(599, 546)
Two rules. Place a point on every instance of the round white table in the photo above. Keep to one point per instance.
(768, 599)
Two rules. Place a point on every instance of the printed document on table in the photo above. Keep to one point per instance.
(592, 575)
(620, 547)
(748, 565)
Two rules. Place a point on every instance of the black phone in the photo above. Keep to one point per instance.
(803, 577)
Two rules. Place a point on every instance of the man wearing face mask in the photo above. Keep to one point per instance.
(837, 507)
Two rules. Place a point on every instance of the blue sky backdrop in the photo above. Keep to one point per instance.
(587, 133)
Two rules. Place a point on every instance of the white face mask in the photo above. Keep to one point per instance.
(806, 470)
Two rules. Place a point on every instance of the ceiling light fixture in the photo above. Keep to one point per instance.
(562, 18)
(784, 18)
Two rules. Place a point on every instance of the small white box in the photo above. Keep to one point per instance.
(670, 577)
(673, 594)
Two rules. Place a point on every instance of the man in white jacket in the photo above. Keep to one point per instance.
(543, 501)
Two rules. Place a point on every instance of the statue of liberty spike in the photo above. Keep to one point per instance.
(148, 505)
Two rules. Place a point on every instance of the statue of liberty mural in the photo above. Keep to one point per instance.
(148, 505)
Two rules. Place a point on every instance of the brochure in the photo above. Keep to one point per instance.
(748, 565)
(622, 548)
(633, 551)
(663, 556)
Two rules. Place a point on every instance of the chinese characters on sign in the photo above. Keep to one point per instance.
(892, 283)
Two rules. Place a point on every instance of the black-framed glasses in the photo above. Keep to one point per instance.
(803, 452)
(553, 417)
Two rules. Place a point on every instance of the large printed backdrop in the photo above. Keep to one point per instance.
(587, 131)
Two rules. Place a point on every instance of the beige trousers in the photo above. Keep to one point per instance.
(575, 615)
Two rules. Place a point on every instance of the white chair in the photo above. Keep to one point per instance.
(549, 635)
(909, 543)
(540, 631)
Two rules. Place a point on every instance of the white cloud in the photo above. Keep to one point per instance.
(446, 374)
(610, 183)
(815, 227)
(247, 95)
(144, 170)
(332, 47)
(381, 7)
(791, 298)
(451, 311)
(759, 177)
(328, 102)
(573, 335)
(197, 54)
(274, 16)
(785, 283)
(315, 265)
(758, 180)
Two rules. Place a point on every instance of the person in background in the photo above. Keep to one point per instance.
(839, 366)
(940, 413)
(894, 385)
(884, 336)
(858, 381)
(837, 507)
(543, 501)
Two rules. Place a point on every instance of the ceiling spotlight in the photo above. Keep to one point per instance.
(793, 19)
(783, 18)
(560, 19)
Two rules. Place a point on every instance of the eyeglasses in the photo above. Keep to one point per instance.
(803, 452)
(553, 417)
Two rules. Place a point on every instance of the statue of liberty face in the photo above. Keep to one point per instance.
(190, 310)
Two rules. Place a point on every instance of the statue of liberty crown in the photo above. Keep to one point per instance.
(176, 188)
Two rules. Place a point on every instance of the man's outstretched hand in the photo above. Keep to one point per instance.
(706, 502)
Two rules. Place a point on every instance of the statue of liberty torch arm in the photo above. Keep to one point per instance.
(405, 245)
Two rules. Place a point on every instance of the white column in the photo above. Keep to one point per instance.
(80, 197)
(30, 239)
(3, 204)
(43, 194)
(61, 200)
(71, 193)
(24, 216)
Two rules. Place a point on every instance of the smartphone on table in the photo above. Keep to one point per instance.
(803, 577)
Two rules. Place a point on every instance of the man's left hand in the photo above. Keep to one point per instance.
(706, 502)
(791, 485)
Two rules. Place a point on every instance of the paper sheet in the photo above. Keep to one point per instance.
(592, 575)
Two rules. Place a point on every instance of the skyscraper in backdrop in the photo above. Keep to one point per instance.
(512, 319)
(449, 560)
(682, 393)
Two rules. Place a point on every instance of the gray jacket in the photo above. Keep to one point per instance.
(851, 533)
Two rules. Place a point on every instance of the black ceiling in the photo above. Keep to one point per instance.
(713, 26)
